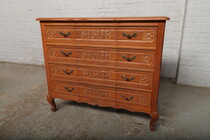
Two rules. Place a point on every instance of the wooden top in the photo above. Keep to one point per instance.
(106, 19)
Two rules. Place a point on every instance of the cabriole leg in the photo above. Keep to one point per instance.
(153, 120)
(51, 102)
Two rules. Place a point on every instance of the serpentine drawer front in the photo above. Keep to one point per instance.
(110, 62)
(138, 36)
(105, 95)
(135, 80)
(101, 57)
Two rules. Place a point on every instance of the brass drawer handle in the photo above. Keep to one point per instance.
(66, 54)
(128, 79)
(68, 72)
(126, 98)
(69, 90)
(129, 36)
(65, 35)
(129, 59)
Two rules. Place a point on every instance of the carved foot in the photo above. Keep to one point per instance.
(51, 101)
(153, 120)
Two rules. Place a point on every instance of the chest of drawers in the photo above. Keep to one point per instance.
(110, 62)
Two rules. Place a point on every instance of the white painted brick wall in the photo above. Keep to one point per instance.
(20, 39)
(194, 66)
(20, 33)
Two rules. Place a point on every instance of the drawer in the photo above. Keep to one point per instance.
(120, 36)
(102, 76)
(102, 96)
(121, 58)
(68, 88)
(85, 93)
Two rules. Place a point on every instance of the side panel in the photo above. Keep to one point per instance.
(158, 59)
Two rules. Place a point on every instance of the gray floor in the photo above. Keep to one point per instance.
(25, 114)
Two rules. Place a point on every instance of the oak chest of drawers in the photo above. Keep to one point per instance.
(110, 62)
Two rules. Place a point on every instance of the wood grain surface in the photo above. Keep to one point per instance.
(111, 62)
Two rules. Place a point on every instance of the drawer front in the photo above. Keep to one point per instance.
(101, 95)
(121, 58)
(129, 36)
(82, 90)
(105, 77)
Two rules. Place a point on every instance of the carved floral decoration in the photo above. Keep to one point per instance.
(54, 70)
(145, 79)
(146, 58)
(144, 100)
(148, 35)
(97, 74)
(95, 34)
(96, 92)
(52, 52)
(98, 55)
(51, 33)
(56, 87)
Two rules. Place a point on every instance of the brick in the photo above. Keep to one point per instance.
(194, 66)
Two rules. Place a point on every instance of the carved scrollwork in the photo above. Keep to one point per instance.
(145, 79)
(96, 92)
(146, 58)
(144, 100)
(97, 74)
(98, 55)
(95, 34)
